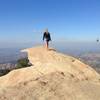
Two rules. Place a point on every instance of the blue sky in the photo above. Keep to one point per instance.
(22, 21)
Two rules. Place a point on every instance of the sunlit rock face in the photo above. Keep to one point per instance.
(52, 76)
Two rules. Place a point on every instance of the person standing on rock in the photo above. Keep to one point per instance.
(47, 38)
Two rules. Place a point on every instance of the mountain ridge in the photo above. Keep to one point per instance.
(52, 76)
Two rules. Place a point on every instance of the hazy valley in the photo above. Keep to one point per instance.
(10, 56)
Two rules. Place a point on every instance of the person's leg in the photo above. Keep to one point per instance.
(47, 44)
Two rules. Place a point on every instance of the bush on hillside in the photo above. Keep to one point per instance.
(23, 62)
(4, 72)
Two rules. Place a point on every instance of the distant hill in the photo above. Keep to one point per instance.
(92, 59)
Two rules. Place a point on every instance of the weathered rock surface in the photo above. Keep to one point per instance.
(53, 76)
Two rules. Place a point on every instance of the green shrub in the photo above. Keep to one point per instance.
(4, 72)
(23, 62)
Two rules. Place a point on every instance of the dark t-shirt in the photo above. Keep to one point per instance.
(47, 36)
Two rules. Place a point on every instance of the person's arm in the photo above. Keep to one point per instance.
(49, 37)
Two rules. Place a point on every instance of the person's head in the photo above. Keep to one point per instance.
(46, 30)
